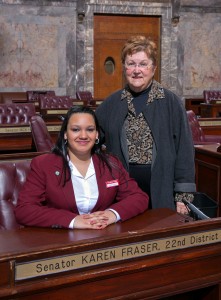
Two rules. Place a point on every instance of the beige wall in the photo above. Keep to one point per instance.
(46, 45)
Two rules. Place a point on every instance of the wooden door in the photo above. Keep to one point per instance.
(110, 34)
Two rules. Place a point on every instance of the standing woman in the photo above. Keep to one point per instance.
(146, 126)
(77, 185)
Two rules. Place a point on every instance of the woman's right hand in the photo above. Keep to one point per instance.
(96, 220)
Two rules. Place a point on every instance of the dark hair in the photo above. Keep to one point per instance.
(61, 147)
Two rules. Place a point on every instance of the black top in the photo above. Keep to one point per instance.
(140, 99)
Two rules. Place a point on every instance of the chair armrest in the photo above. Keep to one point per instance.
(7, 217)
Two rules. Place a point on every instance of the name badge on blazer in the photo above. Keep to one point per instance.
(112, 183)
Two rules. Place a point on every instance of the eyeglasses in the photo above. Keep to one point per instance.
(142, 66)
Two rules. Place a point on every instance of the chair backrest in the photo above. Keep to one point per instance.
(12, 177)
(55, 102)
(54, 107)
(33, 96)
(40, 134)
(16, 113)
(84, 96)
(209, 95)
(197, 132)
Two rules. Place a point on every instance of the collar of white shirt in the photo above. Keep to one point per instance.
(90, 170)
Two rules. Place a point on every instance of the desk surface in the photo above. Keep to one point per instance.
(208, 147)
(211, 149)
(27, 240)
(153, 259)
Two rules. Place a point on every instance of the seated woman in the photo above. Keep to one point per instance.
(78, 185)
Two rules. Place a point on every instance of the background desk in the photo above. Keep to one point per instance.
(210, 126)
(193, 103)
(192, 271)
(210, 110)
(15, 139)
(208, 171)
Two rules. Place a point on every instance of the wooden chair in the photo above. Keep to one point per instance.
(54, 107)
(199, 138)
(88, 99)
(34, 96)
(15, 132)
(85, 96)
(40, 134)
(212, 96)
(13, 176)
(16, 114)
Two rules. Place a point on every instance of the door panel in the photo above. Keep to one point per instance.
(110, 34)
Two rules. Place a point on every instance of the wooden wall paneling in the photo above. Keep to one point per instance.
(110, 34)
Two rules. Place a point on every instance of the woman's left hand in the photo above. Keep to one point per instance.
(106, 217)
(181, 208)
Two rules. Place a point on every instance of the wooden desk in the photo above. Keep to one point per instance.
(209, 110)
(17, 138)
(155, 255)
(208, 171)
(52, 115)
(193, 103)
(210, 126)
(36, 103)
(7, 97)
(49, 112)
(19, 156)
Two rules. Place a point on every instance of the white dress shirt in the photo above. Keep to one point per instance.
(85, 190)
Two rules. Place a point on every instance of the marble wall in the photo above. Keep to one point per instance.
(49, 44)
(38, 46)
(200, 41)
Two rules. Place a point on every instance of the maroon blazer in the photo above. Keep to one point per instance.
(44, 201)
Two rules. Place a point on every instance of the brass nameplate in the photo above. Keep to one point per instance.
(15, 129)
(56, 111)
(215, 101)
(49, 266)
(54, 128)
(78, 103)
(210, 123)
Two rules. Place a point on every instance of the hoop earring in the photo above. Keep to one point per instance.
(97, 141)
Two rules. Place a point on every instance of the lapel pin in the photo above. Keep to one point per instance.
(57, 173)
